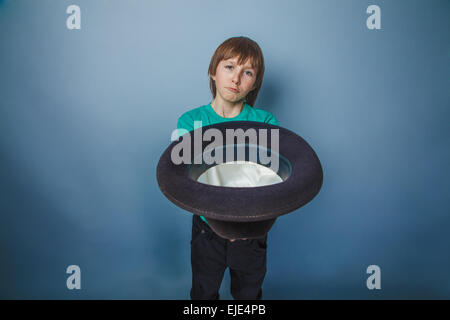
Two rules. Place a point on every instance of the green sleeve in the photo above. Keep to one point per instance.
(184, 124)
(272, 120)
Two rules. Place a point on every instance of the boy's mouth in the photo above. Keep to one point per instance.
(233, 90)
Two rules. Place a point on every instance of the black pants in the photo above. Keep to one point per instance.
(211, 255)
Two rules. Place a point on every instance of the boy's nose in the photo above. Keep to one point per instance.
(236, 77)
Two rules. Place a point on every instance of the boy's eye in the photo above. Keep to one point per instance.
(248, 72)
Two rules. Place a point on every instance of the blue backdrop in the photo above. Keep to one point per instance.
(85, 115)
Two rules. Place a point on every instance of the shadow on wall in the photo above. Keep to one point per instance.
(269, 96)
(274, 89)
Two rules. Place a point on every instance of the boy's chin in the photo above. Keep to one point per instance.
(235, 100)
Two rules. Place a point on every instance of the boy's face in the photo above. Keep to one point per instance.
(229, 75)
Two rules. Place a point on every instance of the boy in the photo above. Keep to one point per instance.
(236, 72)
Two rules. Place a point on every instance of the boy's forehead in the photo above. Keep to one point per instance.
(236, 59)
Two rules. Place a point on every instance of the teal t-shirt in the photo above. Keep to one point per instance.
(208, 116)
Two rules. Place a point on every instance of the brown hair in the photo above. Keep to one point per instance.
(245, 48)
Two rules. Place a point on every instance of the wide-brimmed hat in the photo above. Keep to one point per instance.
(241, 212)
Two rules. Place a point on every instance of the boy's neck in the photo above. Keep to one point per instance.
(227, 109)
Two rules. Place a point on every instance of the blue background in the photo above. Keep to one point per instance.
(85, 115)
